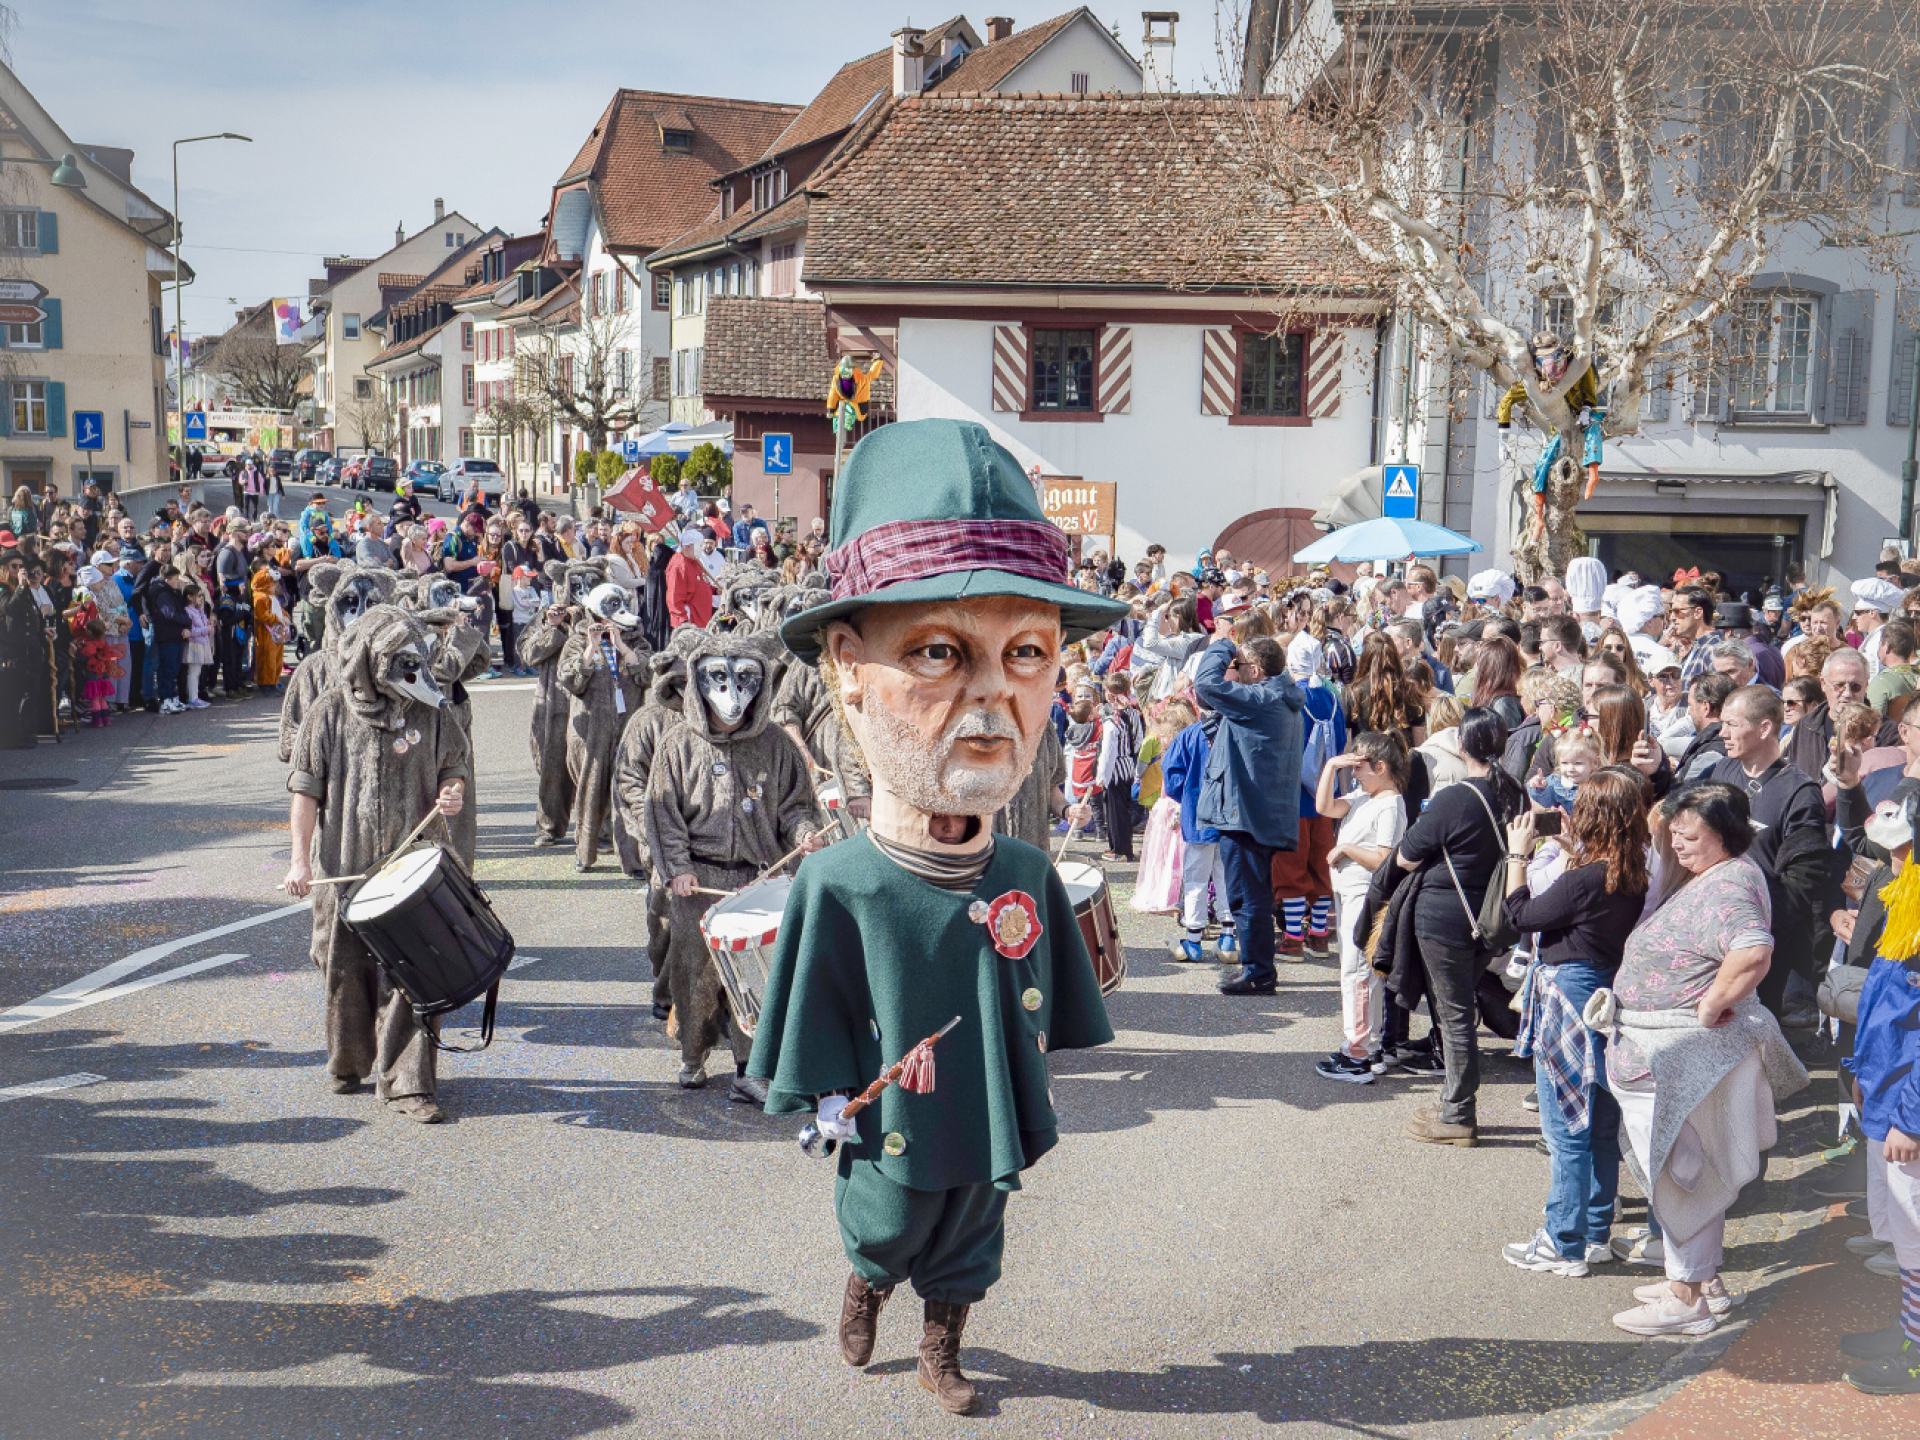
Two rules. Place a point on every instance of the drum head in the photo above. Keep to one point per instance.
(1083, 881)
(392, 885)
(750, 918)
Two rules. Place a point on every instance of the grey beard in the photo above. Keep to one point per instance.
(919, 771)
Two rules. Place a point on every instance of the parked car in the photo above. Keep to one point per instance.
(281, 462)
(327, 471)
(378, 472)
(307, 463)
(424, 475)
(465, 472)
(350, 472)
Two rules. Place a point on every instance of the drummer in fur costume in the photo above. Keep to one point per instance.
(941, 647)
(461, 653)
(540, 647)
(603, 667)
(665, 708)
(373, 755)
(727, 796)
(345, 591)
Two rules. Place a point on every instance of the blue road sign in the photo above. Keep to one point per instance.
(630, 451)
(776, 454)
(89, 430)
(1400, 493)
(197, 425)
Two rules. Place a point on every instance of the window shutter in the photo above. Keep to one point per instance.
(1658, 405)
(49, 233)
(1326, 364)
(1708, 397)
(1116, 370)
(1010, 370)
(1900, 386)
(50, 328)
(6, 408)
(1821, 367)
(1218, 383)
(56, 408)
(1850, 365)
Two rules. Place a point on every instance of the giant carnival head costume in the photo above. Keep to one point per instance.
(386, 664)
(572, 580)
(942, 639)
(349, 591)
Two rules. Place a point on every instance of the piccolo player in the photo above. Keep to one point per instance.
(939, 651)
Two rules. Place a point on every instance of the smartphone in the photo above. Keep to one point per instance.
(1546, 822)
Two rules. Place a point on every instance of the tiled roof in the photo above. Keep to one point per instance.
(711, 231)
(649, 194)
(402, 348)
(390, 281)
(987, 67)
(788, 213)
(852, 88)
(1127, 191)
(771, 349)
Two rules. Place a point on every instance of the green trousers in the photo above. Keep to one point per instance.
(947, 1243)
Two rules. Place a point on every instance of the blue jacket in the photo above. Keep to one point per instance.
(1252, 782)
(743, 533)
(1182, 766)
(1886, 1049)
(1321, 704)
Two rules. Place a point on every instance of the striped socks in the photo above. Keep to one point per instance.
(1322, 912)
(1910, 1304)
(1296, 913)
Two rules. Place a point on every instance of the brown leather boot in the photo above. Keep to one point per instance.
(939, 1369)
(859, 1319)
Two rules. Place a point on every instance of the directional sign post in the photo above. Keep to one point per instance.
(630, 451)
(89, 430)
(1400, 492)
(776, 459)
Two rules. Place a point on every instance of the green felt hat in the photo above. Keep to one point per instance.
(933, 510)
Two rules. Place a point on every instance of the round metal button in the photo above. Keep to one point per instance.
(977, 912)
(746, 806)
(719, 767)
(895, 1143)
(400, 745)
(1031, 999)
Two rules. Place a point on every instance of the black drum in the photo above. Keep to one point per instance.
(432, 930)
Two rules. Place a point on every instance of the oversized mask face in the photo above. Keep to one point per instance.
(609, 603)
(354, 598)
(408, 674)
(1891, 824)
(1551, 364)
(442, 593)
(728, 685)
(578, 587)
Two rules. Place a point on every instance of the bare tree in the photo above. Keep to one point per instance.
(257, 370)
(1620, 172)
(506, 418)
(593, 372)
(376, 419)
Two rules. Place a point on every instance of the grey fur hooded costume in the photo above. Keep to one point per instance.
(607, 694)
(570, 580)
(461, 652)
(346, 590)
(374, 759)
(722, 807)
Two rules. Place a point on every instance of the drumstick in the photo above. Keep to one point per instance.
(781, 861)
(704, 890)
(425, 821)
(1066, 840)
(328, 880)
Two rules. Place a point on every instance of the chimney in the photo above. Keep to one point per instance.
(400, 234)
(909, 61)
(999, 27)
(1157, 48)
(439, 209)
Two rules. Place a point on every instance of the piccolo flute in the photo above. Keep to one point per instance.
(813, 1143)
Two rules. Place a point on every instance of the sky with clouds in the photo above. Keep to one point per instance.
(361, 113)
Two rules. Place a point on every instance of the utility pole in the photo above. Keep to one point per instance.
(179, 326)
(1911, 470)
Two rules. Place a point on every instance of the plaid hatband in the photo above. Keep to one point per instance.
(916, 549)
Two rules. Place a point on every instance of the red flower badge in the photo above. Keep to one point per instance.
(1014, 923)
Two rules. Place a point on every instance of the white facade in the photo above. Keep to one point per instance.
(1083, 58)
(617, 298)
(1183, 476)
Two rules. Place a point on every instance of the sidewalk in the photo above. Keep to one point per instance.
(1782, 1376)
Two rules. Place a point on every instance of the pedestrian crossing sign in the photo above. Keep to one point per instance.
(1400, 492)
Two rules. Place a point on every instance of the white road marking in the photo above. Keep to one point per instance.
(54, 1002)
(490, 688)
(132, 987)
(519, 960)
(47, 1087)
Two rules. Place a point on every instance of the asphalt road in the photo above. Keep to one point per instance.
(200, 1241)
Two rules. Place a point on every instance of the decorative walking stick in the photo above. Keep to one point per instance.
(912, 1071)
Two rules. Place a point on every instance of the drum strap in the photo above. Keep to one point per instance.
(487, 1013)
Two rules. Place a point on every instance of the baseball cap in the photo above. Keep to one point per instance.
(1655, 659)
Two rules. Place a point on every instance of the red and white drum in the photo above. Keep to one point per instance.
(1093, 908)
(740, 932)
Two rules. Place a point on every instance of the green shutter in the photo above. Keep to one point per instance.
(50, 330)
(6, 409)
(49, 233)
(56, 409)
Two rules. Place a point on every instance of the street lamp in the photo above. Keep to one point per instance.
(66, 170)
(179, 326)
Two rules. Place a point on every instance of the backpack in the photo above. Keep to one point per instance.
(1492, 931)
(1318, 748)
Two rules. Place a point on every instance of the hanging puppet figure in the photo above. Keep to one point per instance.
(1551, 356)
(939, 651)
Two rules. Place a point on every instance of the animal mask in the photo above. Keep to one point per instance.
(1891, 824)
(573, 580)
(443, 592)
(728, 684)
(409, 673)
(609, 603)
(350, 592)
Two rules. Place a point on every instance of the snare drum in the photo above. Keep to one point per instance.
(740, 932)
(830, 801)
(1093, 908)
(432, 930)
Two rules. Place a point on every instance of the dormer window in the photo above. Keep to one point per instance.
(680, 140)
(769, 189)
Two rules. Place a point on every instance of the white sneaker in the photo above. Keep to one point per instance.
(199, 704)
(1668, 1315)
(1884, 1264)
(172, 707)
(1599, 1253)
(1537, 1253)
(1719, 1299)
(1865, 1245)
(1640, 1247)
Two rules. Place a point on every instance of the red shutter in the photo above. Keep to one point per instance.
(1010, 372)
(1326, 356)
(1116, 370)
(1217, 380)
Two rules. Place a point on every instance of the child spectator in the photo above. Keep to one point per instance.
(1118, 766)
(1083, 749)
(1370, 828)
(199, 643)
(1203, 876)
(1302, 887)
(1576, 755)
(1157, 890)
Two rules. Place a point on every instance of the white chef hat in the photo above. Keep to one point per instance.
(1586, 579)
(1491, 587)
(1610, 599)
(1637, 607)
(1881, 595)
